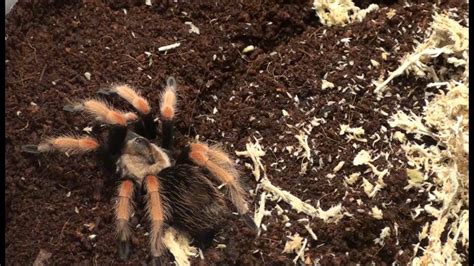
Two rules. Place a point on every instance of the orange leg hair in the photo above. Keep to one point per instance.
(123, 212)
(168, 100)
(69, 144)
(156, 214)
(223, 168)
(168, 110)
(105, 113)
(133, 97)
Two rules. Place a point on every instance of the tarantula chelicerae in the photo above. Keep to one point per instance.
(179, 192)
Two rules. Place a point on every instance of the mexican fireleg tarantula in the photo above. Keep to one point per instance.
(178, 193)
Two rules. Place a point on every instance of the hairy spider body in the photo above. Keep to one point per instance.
(179, 193)
(199, 208)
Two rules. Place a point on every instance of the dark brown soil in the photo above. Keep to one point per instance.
(49, 47)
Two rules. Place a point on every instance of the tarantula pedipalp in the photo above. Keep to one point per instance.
(179, 193)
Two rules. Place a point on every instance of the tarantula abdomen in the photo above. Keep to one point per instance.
(196, 206)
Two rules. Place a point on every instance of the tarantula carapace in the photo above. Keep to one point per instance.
(179, 193)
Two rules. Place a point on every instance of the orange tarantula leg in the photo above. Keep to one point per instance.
(105, 113)
(146, 126)
(223, 168)
(115, 118)
(168, 111)
(133, 97)
(123, 211)
(102, 111)
(69, 144)
(156, 214)
(168, 100)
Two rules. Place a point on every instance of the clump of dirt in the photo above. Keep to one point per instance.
(55, 203)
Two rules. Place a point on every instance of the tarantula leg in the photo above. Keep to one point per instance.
(156, 214)
(146, 127)
(249, 221)
(116, 119)
(223, 168)
(105, 113)
(123, 211)
(106, 92)
(133, 97)
(102, 111)
(73, 108)
(168, 110)
(116, 139)
(67, 144)
(30, 148)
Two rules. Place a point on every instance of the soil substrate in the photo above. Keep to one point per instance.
(50, 45)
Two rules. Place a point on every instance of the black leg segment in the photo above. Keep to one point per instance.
(168, 131)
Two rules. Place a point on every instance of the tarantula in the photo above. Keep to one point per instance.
(179, 193)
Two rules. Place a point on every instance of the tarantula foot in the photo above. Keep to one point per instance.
(250, 222)
(73, 108)
(31, 148)
(106, 92)
(123, 249)
(171, 82)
